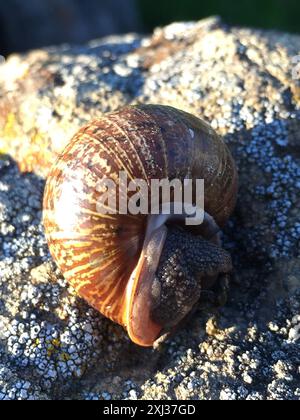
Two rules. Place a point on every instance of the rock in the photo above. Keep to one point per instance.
(239, 80)
(62, 88)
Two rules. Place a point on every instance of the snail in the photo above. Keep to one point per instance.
(145, 272)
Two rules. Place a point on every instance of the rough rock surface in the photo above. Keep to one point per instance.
(52, 345)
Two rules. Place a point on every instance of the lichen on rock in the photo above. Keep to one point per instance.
(240, 81)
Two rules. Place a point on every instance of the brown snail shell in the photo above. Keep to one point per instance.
(101, 256)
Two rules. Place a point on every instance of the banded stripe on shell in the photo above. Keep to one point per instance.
(97, 252)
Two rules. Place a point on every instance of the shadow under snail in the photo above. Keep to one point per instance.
(143, 272)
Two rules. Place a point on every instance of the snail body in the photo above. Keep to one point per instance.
(114, 261)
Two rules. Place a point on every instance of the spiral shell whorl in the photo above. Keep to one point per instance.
(97, 253)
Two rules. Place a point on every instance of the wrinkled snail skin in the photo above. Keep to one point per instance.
(114, 261)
